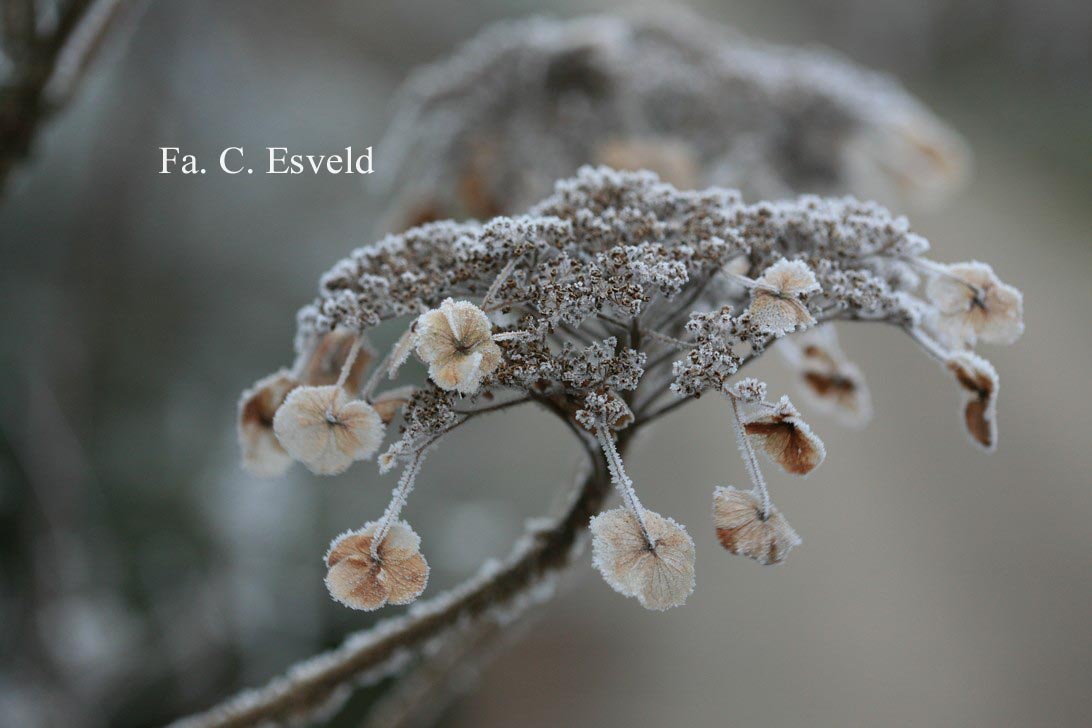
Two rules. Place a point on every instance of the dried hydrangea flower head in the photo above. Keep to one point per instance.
(325, 430)
(394, 573)
(979, 381)
(489, 130)
(829, 380)
(747, 528)
(616, 300)
(456, 341)
(974, 305)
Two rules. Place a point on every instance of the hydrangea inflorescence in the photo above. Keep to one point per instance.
(612, 302)
(489, 130)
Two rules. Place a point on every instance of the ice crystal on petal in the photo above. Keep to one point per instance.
(325, 430)
(659, 574)
(455, 340)
(359, 580)
(786, 438)
(744, 529)
(974, 305)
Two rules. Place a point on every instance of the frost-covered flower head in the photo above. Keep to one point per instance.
(488, 131)
(612, 302)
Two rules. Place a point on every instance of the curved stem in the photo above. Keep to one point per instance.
(324, 681)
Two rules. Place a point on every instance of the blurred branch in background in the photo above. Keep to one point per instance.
(46, 53)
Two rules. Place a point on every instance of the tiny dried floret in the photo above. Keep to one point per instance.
(263, 454)
(786, 438)
(745, 529)
(456, 341)
(776, 305)
(325, 430)
(658, 570)
(979, 381)
(397, 574)
(974, 305)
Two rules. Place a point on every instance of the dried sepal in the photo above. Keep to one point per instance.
(455, 340)
(744, 529)
(974, 305)
(786, 438)
(980, 383)
(263, 454)
(387, 404)
(659, 574)
(325, 430)
(776, 298)
(832, 383)
(360, 581)
(324, 365)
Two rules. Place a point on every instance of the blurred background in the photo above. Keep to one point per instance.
(144, 575)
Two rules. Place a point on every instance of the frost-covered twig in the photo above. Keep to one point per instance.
(321, 683)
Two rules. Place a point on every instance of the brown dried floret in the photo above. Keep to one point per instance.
(396, 575)
(325, 430)
(973, 304)
(745, 529)
(657, 570)
(979, 381)
(786, 438)
(455, 340)
(262, 453)
(776, 305)
(832, 382)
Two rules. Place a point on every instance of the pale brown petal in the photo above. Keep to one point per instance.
(742, 529)
(973, 305)
(326, 361)
(359, 581)
(776, 314)
(787, 439)
(455, 340)
(661, 574)
(262, 453)
(980, 384)
(325, 430)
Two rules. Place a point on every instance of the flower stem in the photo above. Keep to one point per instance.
(750, 460)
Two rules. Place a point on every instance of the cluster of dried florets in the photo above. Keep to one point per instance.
(488, 131)
(611, 303)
